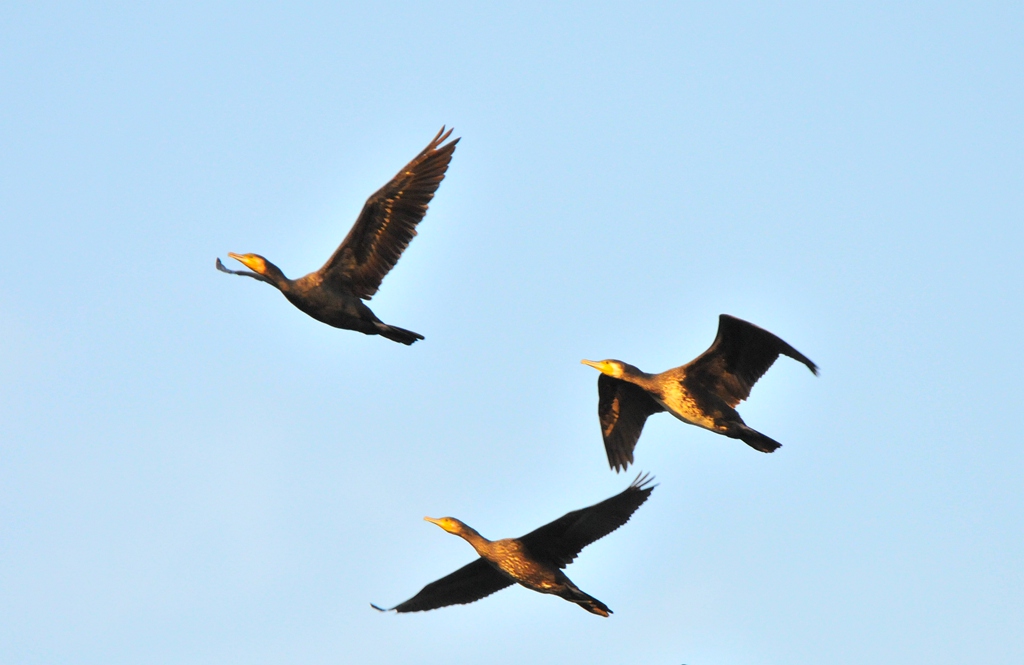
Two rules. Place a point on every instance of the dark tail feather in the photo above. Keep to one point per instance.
(754, 439)
(586, 601)
(400, 335)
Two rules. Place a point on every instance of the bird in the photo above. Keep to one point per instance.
(534, 560)
(334, 294)
(702, 392)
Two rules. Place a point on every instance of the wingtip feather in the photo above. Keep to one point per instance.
(643, 481)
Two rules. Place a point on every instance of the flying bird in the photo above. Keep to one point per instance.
(702, 392)
(535, 560)
(334, 294)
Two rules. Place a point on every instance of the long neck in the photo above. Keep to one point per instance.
(635, 375)
(479, 543)
(274, 276)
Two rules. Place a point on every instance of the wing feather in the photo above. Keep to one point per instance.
(559, 542)
(739, 356)
(623, 409)
(470, 583)
(388, 221)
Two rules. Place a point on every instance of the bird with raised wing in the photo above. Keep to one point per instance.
(535, 560)
(702, 392)
(334, 294)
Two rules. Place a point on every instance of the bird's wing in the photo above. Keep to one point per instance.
(623, 409)
(466, 585)
(388, 222)
(560, 541)
(739, 356)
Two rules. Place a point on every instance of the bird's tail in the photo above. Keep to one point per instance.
(754, 439)
(396, 334)
(586, 601)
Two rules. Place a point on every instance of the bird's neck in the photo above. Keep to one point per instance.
(274, 275)
(639, 377)
(479, 543)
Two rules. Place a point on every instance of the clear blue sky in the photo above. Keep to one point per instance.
(191, 471)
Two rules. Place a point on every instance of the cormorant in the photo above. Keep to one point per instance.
(334, 294)
(534, 560)
(702, 392)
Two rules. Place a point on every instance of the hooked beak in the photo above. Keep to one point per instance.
(249, 261)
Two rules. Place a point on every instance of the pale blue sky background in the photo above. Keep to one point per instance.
(191, 471)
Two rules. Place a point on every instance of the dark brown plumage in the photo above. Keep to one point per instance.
(702, 392)
(334, 294)
(534, 560)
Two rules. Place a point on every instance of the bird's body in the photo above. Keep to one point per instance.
(534, 560)
(702, 392)
(510, 557)
(334, 294)
(513, 559)
(337, 307)
(668, 391)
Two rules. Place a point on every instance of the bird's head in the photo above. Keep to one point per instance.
(449, 524)
(613, 368)
(265, 270)
(253, 262)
